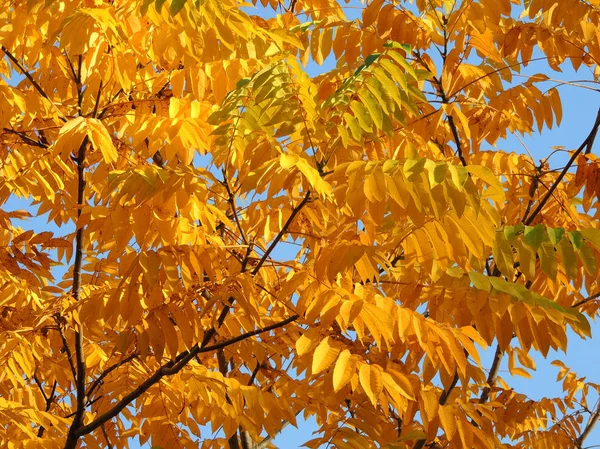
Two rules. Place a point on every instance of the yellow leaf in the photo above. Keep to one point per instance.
(100, 139)
(307, 341)
(344, 369)
(371, 381)
(448, 420)
(495, 191)
(324, 356)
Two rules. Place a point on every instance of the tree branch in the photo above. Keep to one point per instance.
(588, 428)
(170, 368)
(95, 384)
(586, 300)
(95, 111)
(492, 375)
(281, 233)
(231, 201)
(586, 144)
(79, 355)
(459, 151)
(105, 433)
(66, 347)
(25, 138)
(49, 400)
(35, 84)
(441, 401)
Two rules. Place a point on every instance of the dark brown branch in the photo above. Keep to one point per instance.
(586, 144)
(441, 401)
(95, 384)
(445, 100)
(281, 233)
(586, 300)
(231, 201)
(535, 182)
(49, 400)
(34, 83)
(254, 373)
(79, 355)
(446, 393)
(105, 433)
(170, 368)
(459, 151)
(25, 138)
(65, 347)
(95, 111)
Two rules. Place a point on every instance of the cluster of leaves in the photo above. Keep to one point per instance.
(235, 244)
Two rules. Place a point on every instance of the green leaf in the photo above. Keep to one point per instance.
(437, 172)
(159, 4)
(145, 6)
(362, 115)
(568, 258)
(388, 85)
(526, 259)
(511, 232)
(480, 281)
(176, 6)
(371, 59)
(503, 255)
(555, 234)
(354, 125)
(586, 254)
(547, 256)
(576, 239)
(393, 44)
(413, 167)
(592, 235)
(403, 63)
(372, 105)
(380, 94)
(533, 236)
(459, 175)
(395, 72)
(242, 82)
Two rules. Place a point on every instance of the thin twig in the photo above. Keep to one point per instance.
(586, 300)
(588, 428)
(25, 138)
(66, 348)
(105, 433)
(281, 233)
(49, 400)
(231, 201)
(95, 112)
(95, 384)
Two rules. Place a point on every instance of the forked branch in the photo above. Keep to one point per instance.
(170, 368)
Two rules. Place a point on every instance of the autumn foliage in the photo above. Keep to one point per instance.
(236, 244)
